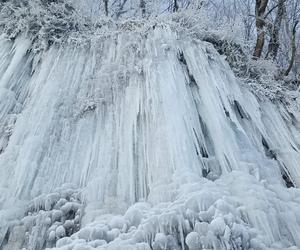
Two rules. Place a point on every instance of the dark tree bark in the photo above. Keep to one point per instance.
(294, 50)
(260, 8)
(175, 6)
(105, 7)
(143, 7)
(274, 40)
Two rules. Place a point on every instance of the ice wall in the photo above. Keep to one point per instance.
(141, 140)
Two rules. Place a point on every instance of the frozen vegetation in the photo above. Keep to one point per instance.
(137, 135)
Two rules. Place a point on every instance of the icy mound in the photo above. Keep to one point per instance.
(162, 147)
(47, 219)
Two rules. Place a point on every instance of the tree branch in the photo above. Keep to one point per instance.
(273, 8)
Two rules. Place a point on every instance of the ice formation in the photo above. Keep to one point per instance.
(141, 139)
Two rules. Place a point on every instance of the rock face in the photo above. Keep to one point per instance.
(159, 144)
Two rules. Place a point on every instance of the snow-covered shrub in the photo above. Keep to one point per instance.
(43, 21)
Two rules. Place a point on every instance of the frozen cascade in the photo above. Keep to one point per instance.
(141, 140)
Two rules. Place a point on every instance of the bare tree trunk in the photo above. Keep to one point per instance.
(294, 50)
(143, 7)
(260, 9)
(175, 6)
(274, 41)
(105, 7)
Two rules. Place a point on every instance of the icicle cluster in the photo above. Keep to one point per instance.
(163, 147)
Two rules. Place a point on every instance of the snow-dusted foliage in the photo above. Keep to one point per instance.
(137, 135)
(43, 21)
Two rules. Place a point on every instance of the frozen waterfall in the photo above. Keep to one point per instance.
(141, 140)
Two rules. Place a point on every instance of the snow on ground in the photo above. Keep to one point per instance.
(161, 147)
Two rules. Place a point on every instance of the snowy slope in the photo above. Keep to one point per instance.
(141, 140)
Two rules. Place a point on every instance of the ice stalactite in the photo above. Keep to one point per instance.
(161, 145)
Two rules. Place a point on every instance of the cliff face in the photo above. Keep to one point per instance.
(138, 139)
